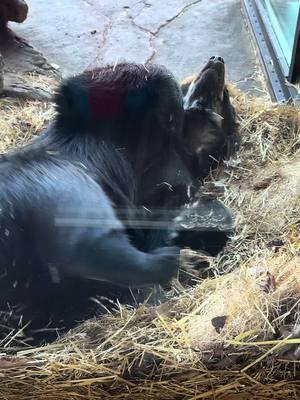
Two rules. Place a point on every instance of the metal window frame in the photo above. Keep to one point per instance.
(294, 72)
(274, 64)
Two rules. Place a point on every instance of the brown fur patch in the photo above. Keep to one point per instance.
(188, 80)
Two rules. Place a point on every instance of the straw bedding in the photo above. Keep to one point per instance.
(234, 335)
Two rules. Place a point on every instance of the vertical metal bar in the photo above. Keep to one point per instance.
(280, 92)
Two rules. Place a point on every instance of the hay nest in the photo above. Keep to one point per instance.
(232, 336)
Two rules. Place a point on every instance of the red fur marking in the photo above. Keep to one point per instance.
(106, 103)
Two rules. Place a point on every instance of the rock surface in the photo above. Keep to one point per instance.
(18, 60)
(13, 10)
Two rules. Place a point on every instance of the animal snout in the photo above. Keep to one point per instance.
(217, 59)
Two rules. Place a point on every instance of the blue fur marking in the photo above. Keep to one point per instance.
(80, 100)
(140, 98)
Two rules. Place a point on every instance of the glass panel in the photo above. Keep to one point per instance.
(283, 16)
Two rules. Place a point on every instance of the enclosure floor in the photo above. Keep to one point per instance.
(181, 34)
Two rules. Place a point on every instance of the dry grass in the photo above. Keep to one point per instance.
(232, 337)
(21, 121)
(262, 185)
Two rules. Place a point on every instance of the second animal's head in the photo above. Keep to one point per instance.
(210, 129)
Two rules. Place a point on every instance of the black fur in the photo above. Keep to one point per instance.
(93, 198)
(61, 195)
(210, 128)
